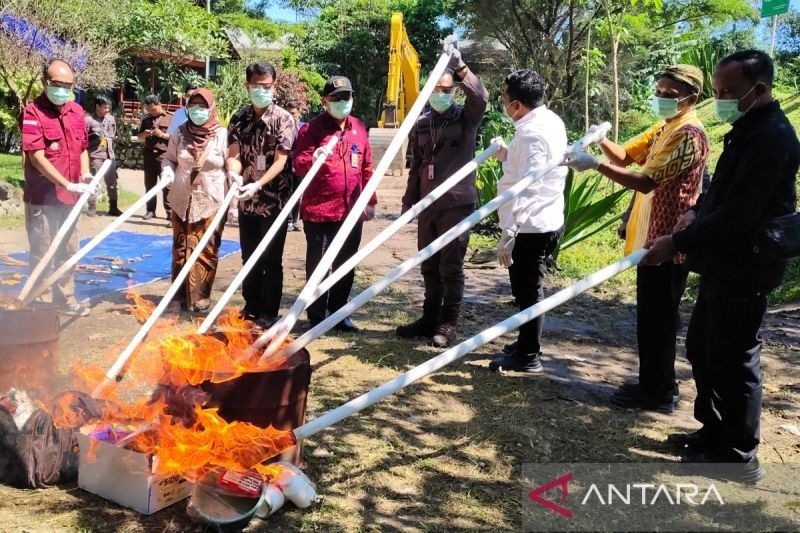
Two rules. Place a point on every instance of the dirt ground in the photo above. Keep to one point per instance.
(446, 453)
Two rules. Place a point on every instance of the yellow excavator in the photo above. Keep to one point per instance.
(402, 89)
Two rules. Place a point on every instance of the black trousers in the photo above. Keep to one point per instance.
(724, 347)
(152, 170)
(318, 237)
(527, 271)
(658, 297)
(263, 287)
(443, 273)
(294, 216)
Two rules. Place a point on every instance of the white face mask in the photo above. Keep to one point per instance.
(509, 115)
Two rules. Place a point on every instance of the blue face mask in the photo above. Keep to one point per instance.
(340, 109)
(440, 102)
(261, 97)
(199, 115)
(58, 95)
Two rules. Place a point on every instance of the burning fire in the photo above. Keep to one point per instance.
(168, 418)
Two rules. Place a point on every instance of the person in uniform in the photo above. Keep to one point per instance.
(260, 136)
(153, 133)
(101, 128)
(336, 187)
(443, 141)
(56, 173)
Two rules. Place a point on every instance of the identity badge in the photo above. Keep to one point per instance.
(261, 162)
(430, 172)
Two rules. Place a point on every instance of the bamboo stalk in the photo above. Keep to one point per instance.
(65, 228)
(457, 352)
(116, 371)
(89, 246)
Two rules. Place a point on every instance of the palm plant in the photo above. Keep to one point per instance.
(585, 216)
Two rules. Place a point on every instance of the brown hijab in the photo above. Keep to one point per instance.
(198, 136)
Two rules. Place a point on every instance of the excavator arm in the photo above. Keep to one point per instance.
(402, 85)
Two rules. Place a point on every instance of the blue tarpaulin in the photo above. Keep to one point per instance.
(153, 254)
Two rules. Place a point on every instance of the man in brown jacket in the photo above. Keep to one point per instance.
(442, 141)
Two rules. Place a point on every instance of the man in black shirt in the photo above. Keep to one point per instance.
(754, 182)
(153, 133)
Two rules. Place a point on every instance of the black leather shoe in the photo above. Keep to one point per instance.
(694, 439)
(706, 464)
(421, 327)
(517, 362)
(508, 349)
(346, 325)
(634, 398)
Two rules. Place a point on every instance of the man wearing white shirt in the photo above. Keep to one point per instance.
(533, 222)
(180, 117)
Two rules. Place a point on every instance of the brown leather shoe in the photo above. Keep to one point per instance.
(445, 333)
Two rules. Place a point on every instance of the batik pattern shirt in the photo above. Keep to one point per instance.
(259, 138)
(673, 155)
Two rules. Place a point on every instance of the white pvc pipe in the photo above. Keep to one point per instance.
(457, 352)
(281, 330)
(273, 230)
(404, 219)
(116, 370)
(89, 246)
(65, 228)
(429, 250)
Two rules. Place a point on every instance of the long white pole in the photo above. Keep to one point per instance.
(457, 352)
(428, 251)
(65, 228)
(116, 370)
(285, 325)
(262, 246)
(404, 219)
(89, 246)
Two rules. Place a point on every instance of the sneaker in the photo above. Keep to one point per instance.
(508, 349)
(421, 327)
(291, 226)
(517, 362)
(91, 212)
(149, 215)
(76, 310)
(444, 335)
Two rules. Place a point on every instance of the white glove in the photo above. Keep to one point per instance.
(81, 188)
(249, 190)
(593, 129)
(320, 152)
(455, 55)
(504, 249)
(235, 178)
(167, 174)
(582, 161)
(501, 152)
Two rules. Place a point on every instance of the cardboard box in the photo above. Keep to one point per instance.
(126, 477)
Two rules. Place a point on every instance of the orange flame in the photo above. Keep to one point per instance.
(188, 440)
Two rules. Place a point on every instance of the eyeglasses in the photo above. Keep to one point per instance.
(60, 84)
(444, 89)
(266, 86)
(341, 97)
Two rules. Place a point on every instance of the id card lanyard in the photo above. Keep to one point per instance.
(435, 136)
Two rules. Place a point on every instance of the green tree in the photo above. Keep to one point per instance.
(351, 38)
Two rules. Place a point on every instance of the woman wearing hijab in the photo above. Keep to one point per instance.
(196, 157)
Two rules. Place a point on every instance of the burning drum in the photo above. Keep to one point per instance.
(29, 347)
(274, 398)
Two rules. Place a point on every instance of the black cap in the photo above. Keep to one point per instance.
(336, 85)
